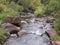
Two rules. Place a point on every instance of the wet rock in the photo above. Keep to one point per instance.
(21, 33)
(13, 35)
(53, 42)
(23, 22)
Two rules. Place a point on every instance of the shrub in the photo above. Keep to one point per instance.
(3, 36)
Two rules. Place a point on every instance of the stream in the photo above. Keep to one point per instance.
(36, 34)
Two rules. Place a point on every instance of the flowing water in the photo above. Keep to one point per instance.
(35, 29)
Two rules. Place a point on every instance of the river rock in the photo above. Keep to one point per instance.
(57, 42)
(52, 33)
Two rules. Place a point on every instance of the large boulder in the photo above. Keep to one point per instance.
(56, 42)
(12, 24)
(10, 27)
(13, 20)
(52, 33)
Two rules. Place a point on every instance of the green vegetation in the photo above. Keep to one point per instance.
(57, 23)
(56, 38)
(9, 9)
(3, 36)
(38, 7)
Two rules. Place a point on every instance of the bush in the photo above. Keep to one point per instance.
(57, 22)
(3, 36)
(57, 38)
